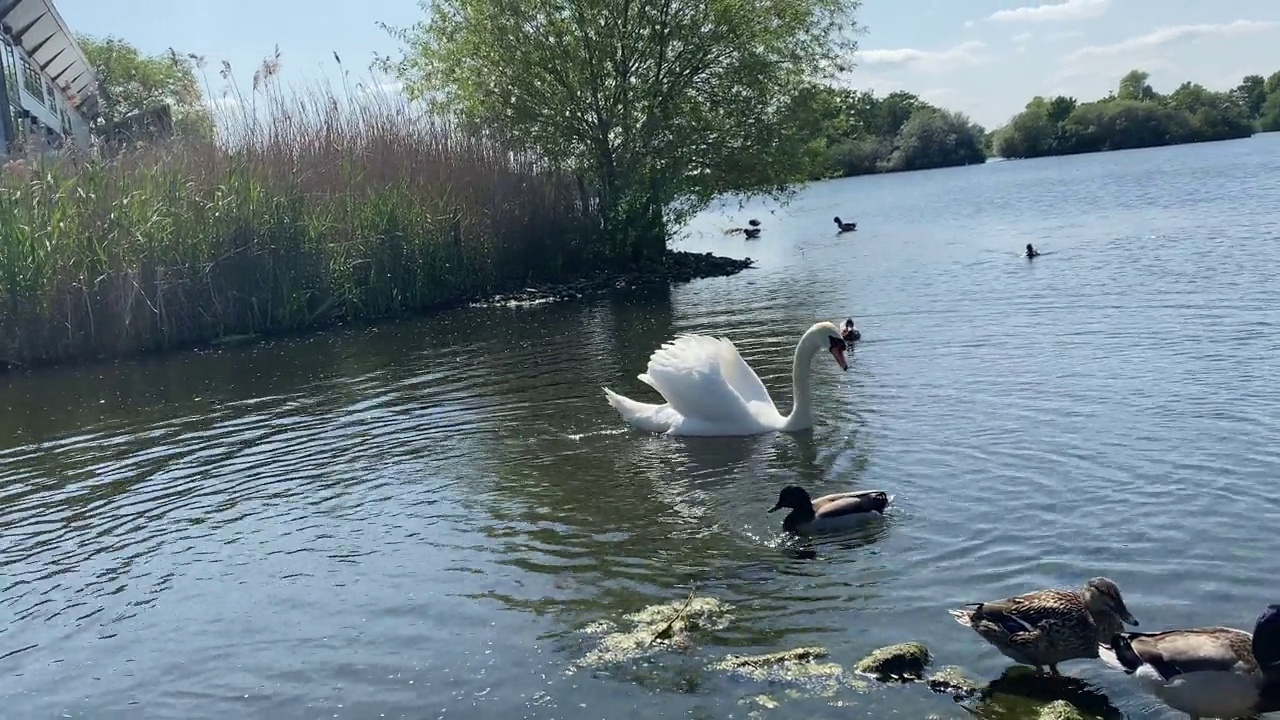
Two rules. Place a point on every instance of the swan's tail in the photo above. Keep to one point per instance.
(642, 416)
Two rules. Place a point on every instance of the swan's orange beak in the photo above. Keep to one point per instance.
(838, 353)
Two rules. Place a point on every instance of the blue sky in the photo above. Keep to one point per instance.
(984, 57)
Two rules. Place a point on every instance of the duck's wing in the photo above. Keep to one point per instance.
(1030, 611)
(1176, 652)
(688, 371)
(851, 503)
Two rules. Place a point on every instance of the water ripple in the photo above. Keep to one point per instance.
(375, 521)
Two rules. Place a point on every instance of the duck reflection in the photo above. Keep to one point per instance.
(1019, 692)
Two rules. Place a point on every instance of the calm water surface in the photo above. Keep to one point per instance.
(416, 521)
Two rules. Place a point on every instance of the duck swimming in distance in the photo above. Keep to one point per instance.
(1208, 672)
(1032, 252)
(845, 226)
(849, 331)
(829, 513)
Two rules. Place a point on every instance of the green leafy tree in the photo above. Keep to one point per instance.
(131, 83)
(934, 138)
(1134, 86)
(1269, 120)
(664, 104)
(1029, 134)
(1252, 94)
(1272, 85)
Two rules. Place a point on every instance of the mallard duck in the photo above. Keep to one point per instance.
(849, 331)
(829, 512)
(1047, 627)
(1209, 672)
(752, 232)
(846, 226)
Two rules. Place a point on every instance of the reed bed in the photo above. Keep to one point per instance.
(311, 210)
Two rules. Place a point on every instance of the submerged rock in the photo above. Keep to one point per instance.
(953, 681)
(902, 662)
(1059, 710)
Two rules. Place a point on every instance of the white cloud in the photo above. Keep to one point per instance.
(1021, 38)
(1161, 37)
(966, 53)
(1053, 12)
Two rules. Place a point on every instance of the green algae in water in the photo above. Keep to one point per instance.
(953, 681)
(665, 627)
(1059, 710)
(763, 701)
(801, 654)
(797, 667)
(905, 661)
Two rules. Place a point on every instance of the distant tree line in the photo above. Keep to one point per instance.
(857, 133)
(1136, 116)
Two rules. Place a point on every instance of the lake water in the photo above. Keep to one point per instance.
(419, 520)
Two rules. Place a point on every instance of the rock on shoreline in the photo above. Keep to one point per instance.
(676, 267)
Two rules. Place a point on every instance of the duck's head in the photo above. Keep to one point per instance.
(849, 331)
(1266, 639)
(753, 222)
(838, 220)
(1101, 594)
(794, 497)
(1030, 250)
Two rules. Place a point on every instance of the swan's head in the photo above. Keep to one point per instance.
(827, 335)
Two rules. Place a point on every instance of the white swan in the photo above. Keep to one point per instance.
(711, 391)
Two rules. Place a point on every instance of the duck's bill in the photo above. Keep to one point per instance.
(1130, 619)
(838, 354)
(775, 508)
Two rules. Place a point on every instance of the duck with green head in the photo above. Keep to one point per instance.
(834, 512)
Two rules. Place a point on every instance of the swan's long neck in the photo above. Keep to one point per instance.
(801, 416)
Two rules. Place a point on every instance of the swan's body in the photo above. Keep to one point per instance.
(1211, 672)
(711, 391)
(829, 513)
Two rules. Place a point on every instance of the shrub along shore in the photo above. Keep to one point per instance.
(316, 217)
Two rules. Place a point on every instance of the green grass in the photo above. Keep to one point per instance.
(312, 215)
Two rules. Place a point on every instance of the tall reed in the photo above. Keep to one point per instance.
(311, 209)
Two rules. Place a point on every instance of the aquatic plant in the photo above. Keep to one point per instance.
(311, 208)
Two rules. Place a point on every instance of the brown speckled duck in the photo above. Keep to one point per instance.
(1047, 627)
(1208, 672)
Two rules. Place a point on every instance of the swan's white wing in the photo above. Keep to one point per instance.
(688, 373)
(740, 376)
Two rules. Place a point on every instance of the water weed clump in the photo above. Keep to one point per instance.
(311, 210)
